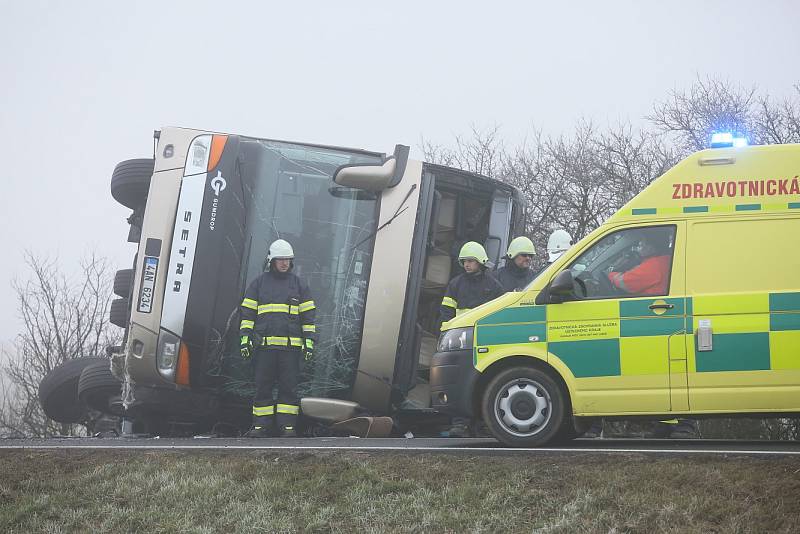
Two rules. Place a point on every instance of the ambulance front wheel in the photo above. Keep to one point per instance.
(524, 407)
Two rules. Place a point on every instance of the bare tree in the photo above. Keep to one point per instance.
(778, 122)
(708, 106)
(713, 105)
(586, 200)
(481, 152)
(631, 160)
(63, 318)
(435, 153)
(527, 169)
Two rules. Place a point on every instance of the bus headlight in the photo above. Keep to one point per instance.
(197, 157)
(167, 353)
(455, 339)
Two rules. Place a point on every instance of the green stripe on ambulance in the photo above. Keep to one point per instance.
(764, 338)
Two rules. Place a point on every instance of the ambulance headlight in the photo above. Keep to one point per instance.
(455, 339)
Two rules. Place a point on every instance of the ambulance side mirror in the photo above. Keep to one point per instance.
(563, 284)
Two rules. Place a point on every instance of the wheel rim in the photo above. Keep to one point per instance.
(523, 407)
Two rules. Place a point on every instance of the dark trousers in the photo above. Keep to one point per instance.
(283, 366)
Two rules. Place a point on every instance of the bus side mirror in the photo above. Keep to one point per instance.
(563, 284)
(374, 177)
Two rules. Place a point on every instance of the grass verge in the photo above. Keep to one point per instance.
(162, 491)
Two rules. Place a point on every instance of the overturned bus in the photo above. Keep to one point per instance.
(376, 237)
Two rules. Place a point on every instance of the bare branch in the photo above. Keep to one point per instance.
(63, 319)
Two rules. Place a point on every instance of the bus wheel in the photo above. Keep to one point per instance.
(97, 387)
(58, 391)
(130, 182)
(123, 283)
(118, 313)
(524, 407)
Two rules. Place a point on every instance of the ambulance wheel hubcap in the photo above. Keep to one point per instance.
(522, 407)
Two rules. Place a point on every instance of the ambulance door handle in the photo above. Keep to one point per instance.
(664, 306)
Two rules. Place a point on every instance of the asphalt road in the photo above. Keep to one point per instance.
(472, 446)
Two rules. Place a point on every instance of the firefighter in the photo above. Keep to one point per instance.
(277, 330)
(557, 244)
(517, 273)
(471, 288)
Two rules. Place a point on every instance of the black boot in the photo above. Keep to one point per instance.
(288, 432)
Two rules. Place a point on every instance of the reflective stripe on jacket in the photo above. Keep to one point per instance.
(467, 291)
(279, 308)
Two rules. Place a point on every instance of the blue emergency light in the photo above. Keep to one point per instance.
(726, 139)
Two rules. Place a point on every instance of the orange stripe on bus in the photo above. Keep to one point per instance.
(217, 146)
(182, 375)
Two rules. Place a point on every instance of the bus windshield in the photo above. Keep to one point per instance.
(289, 194)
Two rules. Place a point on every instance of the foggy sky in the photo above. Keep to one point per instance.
(84, 84)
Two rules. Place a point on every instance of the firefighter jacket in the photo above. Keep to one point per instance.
(278, 307)
(467, 291)
(651, 277)
(512, 278)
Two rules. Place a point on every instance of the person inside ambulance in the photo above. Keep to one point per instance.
(651, 275)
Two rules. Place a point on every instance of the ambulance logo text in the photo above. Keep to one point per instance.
(738, 188)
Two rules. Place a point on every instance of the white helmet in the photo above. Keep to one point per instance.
(280, 249)
(558, 243)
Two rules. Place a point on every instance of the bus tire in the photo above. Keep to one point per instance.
(123, 283)
(130, 182)
(118, 313)
(58, 391)
(97, 386)
(524, 407)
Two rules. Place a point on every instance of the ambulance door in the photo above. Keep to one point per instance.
(624, 342)
(744, 342)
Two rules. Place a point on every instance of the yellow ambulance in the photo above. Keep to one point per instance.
(686, 302)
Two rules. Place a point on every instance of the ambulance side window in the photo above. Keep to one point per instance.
(627, 263)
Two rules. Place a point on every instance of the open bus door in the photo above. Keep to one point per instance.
(451, 207)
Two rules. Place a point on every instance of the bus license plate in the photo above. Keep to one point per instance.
(148, 285)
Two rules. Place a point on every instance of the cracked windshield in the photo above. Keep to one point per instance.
(292, 196)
